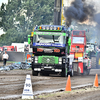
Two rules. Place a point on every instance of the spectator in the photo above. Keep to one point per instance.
(5, 58)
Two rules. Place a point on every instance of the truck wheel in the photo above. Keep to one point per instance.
(72, 73)
(34, 73)
(63, 73)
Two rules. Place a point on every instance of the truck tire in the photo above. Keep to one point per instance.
(93, 62)
(34, 73)
(72, 73)
(63, 74)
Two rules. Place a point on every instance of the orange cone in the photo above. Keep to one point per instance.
(68, 85)
(96, 81)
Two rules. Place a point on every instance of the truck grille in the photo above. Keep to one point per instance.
(48, 60)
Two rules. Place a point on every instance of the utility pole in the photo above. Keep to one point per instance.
(57, 12)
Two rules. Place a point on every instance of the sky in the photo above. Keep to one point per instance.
(3, 1)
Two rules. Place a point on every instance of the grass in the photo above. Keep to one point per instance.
(62, 94)
(51, 94)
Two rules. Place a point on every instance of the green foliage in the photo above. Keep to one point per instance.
(20, 16)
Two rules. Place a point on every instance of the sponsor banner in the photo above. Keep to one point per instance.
(77, 49)
(49, 44)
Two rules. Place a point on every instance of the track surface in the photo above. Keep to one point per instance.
(12, 82)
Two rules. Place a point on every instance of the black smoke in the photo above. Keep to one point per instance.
(79, 11)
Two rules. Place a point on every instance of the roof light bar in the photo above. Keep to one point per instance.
(40, 27)
(55, 28)
(44, 28)
(47, 28)
(50, 28)
(58, 28)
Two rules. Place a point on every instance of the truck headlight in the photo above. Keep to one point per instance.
(63, 60)
(60, 59)
(36, 58)
(36, 61)
(47, 28)
(60, 62)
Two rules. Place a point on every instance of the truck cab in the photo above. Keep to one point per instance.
(49, 44)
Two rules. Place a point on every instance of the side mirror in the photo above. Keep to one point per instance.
(29, 40)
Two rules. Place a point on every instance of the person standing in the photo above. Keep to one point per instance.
(5, 58)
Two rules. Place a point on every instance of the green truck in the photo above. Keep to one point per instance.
(50, 48)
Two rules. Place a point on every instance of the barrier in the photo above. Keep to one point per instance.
(16, 56)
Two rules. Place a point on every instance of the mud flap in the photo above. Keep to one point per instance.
(80, 65)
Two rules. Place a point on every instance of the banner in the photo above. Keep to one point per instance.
(49, 44)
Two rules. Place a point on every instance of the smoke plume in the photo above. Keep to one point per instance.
(79, 11)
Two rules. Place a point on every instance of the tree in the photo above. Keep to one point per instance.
(20, 16)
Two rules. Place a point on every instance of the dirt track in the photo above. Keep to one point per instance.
(12, 83)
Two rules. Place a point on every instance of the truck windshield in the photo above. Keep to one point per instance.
(79, 40)
(49, 39)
